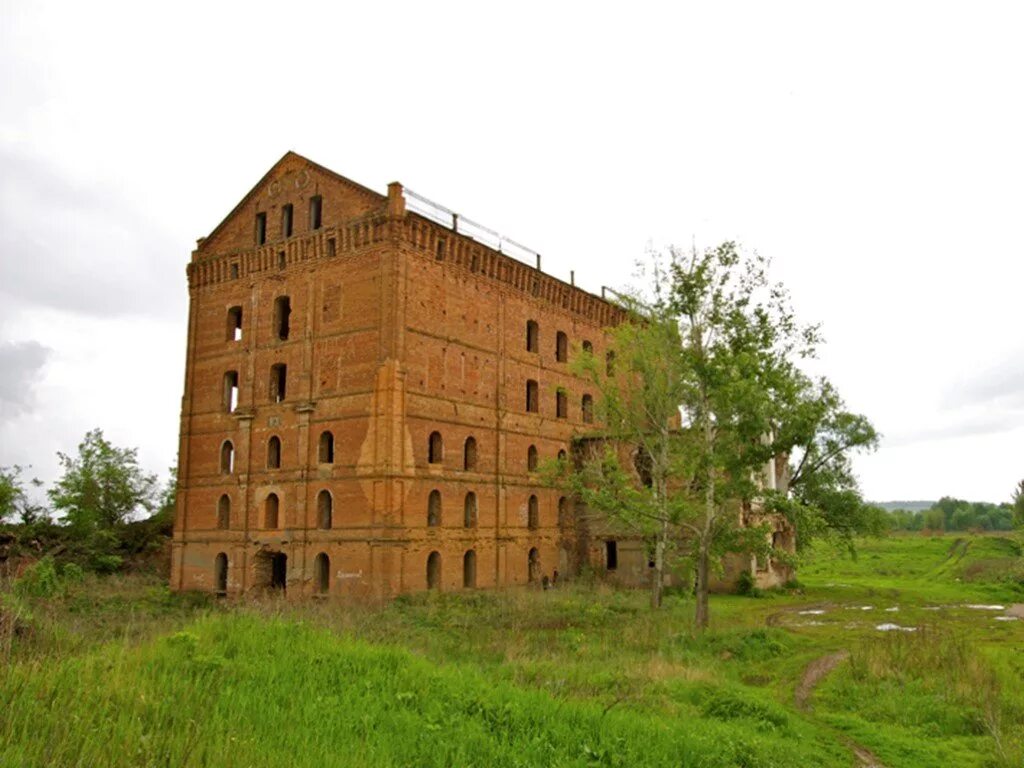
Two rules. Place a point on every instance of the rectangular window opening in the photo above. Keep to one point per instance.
(286, 220)
(278, 382)
(315, 210)
(282, 317)
(330, 246)
(261, 228)
(611, 550)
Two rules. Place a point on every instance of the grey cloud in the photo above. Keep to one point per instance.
(1000, 385)
(81, 248)
(959, 426)
(20, 365)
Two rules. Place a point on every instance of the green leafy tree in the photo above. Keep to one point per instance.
(102, 486)
(1018, 505)
(15, 503)
(711, 392)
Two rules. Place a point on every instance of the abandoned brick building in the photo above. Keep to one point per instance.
(368, 395)
(369, 392)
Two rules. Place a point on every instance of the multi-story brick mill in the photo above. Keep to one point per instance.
(368, 394)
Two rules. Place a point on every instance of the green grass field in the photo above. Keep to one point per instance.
(119, 672)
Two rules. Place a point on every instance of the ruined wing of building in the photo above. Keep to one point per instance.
(370, 387)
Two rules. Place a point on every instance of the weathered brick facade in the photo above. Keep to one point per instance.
(390, 328)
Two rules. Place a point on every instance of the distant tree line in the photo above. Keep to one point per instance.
(950, 514)
(102, 512)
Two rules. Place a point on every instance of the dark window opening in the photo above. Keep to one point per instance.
(532, 396)
(224, 512)
(561, 404)
(261, 228)
(235, 324)
(587, 407)
(434, 509)
(532, 336)
(435, 449)
(533, 565)
(234, 270)
(271, 510)
(562, 455)
(316, 204)
(282, 317)
(278, 571)
(469, 519)
(588, 347)
(609, 363)
(286, 220)
(469, 570)
(278, 382)
(274, 453)
(611, 555)
(533, 514)
(220, 574)
(469, 454)
(331, 247)
(322, 573)
(561, 347)
(434, 570)
(644, 466)
(563, 511)
(324, 510)
(231, 391)
(326, 452)
(531, 458)
(282, 260)
(227, 458)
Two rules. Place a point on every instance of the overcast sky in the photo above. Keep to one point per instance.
(872, 150)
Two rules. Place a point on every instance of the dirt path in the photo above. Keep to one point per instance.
(815, 671)
(813, 674)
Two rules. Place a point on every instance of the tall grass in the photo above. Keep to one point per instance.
(245, 690)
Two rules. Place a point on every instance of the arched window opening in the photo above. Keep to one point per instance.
(532, 336)
(224, 512)
(533, 514)
(235, 324)
(469, 454)
(278, 382)
(271, 508)
(531, 459)
(563, 511)
(324, 510)
(587, 407)
(562, 455)
(434, 570)
(326, 451)
(561, 347)
(322, 573)
(274, 453)
(227, 458)
(469, 570)
(435, 449)
(588, 347)
(434, 509)
(231, 391)
(644, 466)
(469, 519)
(220, 574)
(609, 362)
(532, 396)
(533, 565)
(282, 317)
(561, 404)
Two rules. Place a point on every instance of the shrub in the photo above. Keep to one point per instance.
(38, 580)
